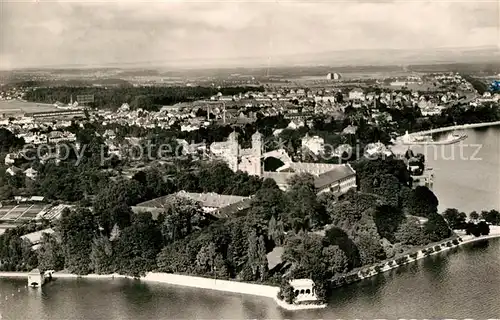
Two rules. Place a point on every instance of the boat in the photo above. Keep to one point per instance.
(453, 137)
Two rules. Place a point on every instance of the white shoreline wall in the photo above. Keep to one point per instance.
(213, 284)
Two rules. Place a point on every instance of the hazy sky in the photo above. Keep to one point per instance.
(41, 33)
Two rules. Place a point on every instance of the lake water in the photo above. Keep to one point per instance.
(467, 174)
(461, 283)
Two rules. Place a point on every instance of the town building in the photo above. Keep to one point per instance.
(218, 205)
(314, 144)
(303, 290)
(337, 178)
(356, 94)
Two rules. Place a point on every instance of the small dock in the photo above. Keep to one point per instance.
(36, 278)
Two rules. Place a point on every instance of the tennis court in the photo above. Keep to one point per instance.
(15, 214)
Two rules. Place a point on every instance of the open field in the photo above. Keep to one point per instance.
(21, 107)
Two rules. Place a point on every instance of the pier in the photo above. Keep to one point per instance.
(36, 278)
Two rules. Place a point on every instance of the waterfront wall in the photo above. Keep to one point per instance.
(396, 262)
(213, 284)
(175, 279)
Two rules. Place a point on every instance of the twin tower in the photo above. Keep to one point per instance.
(246, 160)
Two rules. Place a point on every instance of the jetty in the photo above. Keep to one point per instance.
(36, 278)
(426, 139)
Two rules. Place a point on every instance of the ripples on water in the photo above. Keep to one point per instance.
(460, 283)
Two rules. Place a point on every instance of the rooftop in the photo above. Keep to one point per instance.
(211, 200)
(301, 283)
(36, 237)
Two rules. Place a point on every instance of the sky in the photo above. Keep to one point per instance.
(50, 33)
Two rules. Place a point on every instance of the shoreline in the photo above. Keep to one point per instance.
(466, 239)
(228, 286)
(255, 289)
(457, 127)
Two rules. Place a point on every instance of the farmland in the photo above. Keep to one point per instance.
(17, 107)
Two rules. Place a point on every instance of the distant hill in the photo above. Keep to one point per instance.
(339, 58)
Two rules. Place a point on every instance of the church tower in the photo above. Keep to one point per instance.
(234, 151)
(257, 151)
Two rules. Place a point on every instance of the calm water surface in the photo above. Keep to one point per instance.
(461, 283)
(467, 174)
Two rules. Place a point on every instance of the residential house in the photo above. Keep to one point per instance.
(31, 173)
(295, 124)
(315, 144)
(12, 170)
(356, 94)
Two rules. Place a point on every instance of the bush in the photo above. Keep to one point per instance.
(286, 292)
(351, 278)
(402, 260)
(455, 242)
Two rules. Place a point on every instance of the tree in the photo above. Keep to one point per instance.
(370, 249)
(336, 259)
(492, 216)
(182, 215)
(78, 229)
(286, 292)
(388, 219)
(422, 202)
(276, 231)
(257, 259)
(474, 215)
(9, 141)
(436, 228)
(269, 201)
(110, 205)
(338, 237)
(237, 251)
(483, 228)
(455, 219)
(205, 259)
(305, 252)
(50, 254)
(472, 228)
(410, 233)
(304, 210)
(138, 246)
(101, 256)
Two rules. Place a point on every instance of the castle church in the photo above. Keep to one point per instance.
(336, 178)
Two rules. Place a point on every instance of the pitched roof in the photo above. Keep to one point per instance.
(324, 174)
(211, 200)
(335, 174)
(35, 237)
